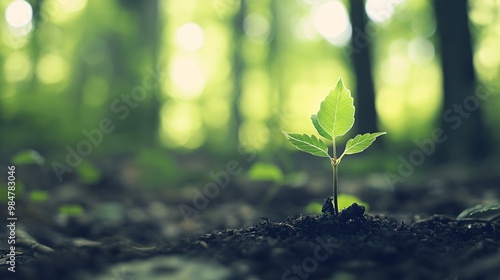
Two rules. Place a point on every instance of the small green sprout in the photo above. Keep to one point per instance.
(71, 210)
(334, 119)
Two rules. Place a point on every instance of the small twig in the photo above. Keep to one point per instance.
(27, 241)
(287, 225)
(444, 218)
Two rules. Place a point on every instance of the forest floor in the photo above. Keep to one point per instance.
(133, 235)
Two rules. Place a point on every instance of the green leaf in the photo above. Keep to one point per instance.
(319, 129)
(39, 196)
(27, 157)
(296, 179)
(71, 210)
(336, 113)
(266, 172)
(481, 211)
(346, 200)
(309, 144)
(361, 142)
(88, 172)
(314, 208)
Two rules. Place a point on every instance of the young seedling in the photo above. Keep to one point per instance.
(334, 119)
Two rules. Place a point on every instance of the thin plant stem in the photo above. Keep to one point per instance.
(335, 187)
(334, 151)
(335, 178)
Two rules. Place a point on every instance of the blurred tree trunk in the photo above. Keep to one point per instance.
(144, 120)
(467, 138)
(151, 38)
(366, 115)
(277, 88)
(237, 73)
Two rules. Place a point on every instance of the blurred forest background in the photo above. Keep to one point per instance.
(185, 86)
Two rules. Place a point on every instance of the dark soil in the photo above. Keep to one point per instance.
(130, 234)
(352, 245)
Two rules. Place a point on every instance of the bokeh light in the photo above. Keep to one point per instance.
(332, 22)
(303, 28)
(188, 75)
(487, 59)
(74, 5)
(62, 11)
(190, 37)
(256, 27)
(19, 13)
(421, 51)
(52, 69)
(181, 125)
(381, 11)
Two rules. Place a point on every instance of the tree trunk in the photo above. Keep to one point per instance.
(237, 75)
(144, 120)
(366, 115)
(462, 122)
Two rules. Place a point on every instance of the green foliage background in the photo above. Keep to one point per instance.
(230, 74)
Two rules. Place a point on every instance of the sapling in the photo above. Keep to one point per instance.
(334, 119)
